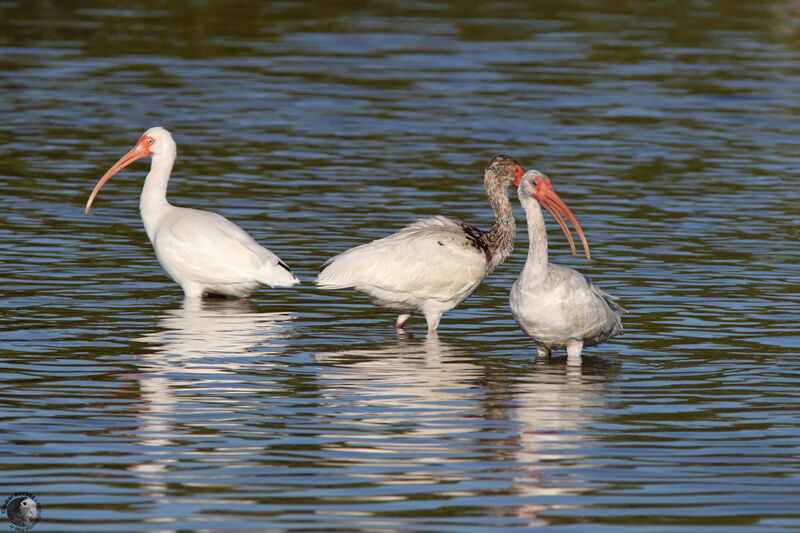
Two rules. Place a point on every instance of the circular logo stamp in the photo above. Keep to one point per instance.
(23, 510)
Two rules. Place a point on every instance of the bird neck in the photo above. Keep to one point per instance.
(536, 264)
(500, 238)
(153, 202)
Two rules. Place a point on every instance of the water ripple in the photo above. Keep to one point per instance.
(670, 133)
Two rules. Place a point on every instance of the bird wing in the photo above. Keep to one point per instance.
(208, 248)
(431, 258)
(591, 312)
(565, 305)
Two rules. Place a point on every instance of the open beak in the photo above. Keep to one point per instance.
(556, 207)
(137, 152)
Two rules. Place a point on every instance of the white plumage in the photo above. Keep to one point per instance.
(404, 271)
(200, 250)
(433, 264)
(556, 306)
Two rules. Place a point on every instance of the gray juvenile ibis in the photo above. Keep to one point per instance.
(433, 264)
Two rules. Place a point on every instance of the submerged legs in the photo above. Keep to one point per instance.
(574, 349)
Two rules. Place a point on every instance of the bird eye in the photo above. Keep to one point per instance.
(516, 169)
(533, 182)
(150, 141)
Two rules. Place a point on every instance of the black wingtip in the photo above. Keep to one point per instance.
(285, 266)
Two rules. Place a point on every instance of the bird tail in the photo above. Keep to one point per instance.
(277, 275)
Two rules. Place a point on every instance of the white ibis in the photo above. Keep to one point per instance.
(200, 250)
(433, 264)
(556, 306)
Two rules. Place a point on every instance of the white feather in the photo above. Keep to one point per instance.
(201, 251)
(557, 307)
(430, 263)
(564, 306)
(435, 263)
(207, 250)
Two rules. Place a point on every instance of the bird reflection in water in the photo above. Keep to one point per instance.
(555, 408)
(216, 327)
(395, 362)
(201, 353)
(450, 405)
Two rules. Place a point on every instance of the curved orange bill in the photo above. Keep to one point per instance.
(556, 207)
(137, 152)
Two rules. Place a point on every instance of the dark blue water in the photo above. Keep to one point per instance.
(671, 131)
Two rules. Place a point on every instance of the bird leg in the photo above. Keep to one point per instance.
(433, 317)
(574, 349)
(543, 353)
(401, 319)
(192, 290)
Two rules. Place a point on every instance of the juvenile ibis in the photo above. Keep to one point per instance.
(558, 307)
(433, 264)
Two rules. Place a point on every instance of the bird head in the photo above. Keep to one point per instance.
(155, 141)
(535, 184)
(505, 169)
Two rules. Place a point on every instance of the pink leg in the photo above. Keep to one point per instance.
(401, 319)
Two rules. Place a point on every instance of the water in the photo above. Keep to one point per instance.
(669, 128)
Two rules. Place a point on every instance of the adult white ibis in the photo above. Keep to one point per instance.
(433, 264)
(556, 306)
(200, 250)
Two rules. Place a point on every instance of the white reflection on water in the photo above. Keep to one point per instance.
(555, 408)
(201, 329)
(211, 338)
(405, 372)
(536, 420)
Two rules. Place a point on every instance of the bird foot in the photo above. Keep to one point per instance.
(542, 354)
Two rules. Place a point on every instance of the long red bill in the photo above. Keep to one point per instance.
(137, 152)
(556, 207)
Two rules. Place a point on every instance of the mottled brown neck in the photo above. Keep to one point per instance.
(499, 239)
